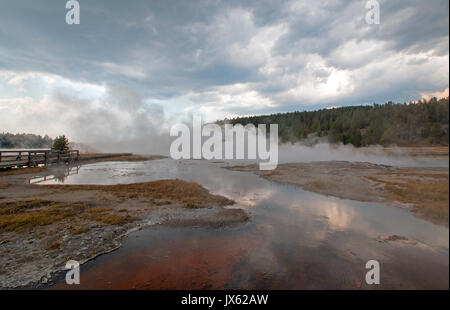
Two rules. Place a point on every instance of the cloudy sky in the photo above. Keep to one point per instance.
(133, 67)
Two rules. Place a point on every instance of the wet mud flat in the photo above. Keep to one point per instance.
(294, 239)
(423, 190)
(43, 227)
(287, 238)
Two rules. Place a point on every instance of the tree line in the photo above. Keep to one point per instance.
(24, 140)
(424, 122)
(32, 141)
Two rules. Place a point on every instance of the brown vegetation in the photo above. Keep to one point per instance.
(21, 216)
(158, 192)
(80, 230)
(429, 193)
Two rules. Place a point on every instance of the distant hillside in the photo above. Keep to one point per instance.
(28, 141)
(421, 123)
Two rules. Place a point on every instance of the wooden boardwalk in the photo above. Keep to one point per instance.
(15, 158)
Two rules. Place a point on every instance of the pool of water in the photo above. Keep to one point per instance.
(294, 239)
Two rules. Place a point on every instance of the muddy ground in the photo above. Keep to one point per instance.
(422, 190)
(44, 226)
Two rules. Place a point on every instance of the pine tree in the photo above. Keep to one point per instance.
(61, 143)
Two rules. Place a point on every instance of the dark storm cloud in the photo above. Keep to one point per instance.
(284, 54)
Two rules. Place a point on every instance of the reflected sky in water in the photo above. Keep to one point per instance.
(295, 238)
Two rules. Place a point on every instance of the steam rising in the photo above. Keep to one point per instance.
(119, 120)
(302, 153)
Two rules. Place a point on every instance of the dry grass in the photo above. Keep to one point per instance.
(24, 215)
(55, 245)
(18, 207)
(21, 221)
(271, 173)
(428, 193)
(158, 192)
(191, 205)
(111, 218)
(317, 184)
(80, 230)
(237, 167)
(98, 210)
(430, 200)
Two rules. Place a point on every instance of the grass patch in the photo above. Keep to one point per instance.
(111, 219)
(191, 205)
(15, 207)
(317, 184)
(68, 205)
(20, 216)
(163, 191)
(98, 210)
(271, 173)
(78, 231)
(430, 199)
(54, 246)
(18, 222)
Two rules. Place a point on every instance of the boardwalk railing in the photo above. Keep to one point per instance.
(30, 158)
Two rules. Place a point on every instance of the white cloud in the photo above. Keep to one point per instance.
(221, 59)
(220, 102)
(437, 94)
(133, 71)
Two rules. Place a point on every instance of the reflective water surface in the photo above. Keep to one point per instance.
(294, 240)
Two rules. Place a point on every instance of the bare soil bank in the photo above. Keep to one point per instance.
(424, 190)
(44, 226)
